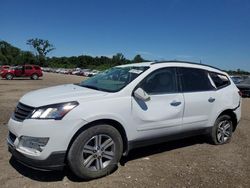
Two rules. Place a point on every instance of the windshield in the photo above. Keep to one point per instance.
(114, 79)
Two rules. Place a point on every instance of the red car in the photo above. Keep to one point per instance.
(3, 67)
(32, 71)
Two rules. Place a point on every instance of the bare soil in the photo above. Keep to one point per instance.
(191, 162)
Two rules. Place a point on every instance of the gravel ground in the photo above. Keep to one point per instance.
(185, 163)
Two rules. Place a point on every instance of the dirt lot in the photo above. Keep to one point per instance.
(185, 163)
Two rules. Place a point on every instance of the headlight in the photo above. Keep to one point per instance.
(55, 111)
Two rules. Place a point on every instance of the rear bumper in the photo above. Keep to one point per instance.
(55, 161)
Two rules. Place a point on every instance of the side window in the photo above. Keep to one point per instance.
(194, 80)
(219, 80)
(37, 68)
(28, 68)
(18, 68)
(161, 81)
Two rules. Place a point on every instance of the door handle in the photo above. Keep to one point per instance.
(211, 99)
(175, 103)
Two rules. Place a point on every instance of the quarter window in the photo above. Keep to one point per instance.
(194, 80)
(219, 80)
(37, 68)
(160, 82)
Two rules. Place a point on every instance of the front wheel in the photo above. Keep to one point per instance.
(95, 152)
(9, 76)
(222, 130)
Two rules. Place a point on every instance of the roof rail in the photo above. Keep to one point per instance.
(187, 62)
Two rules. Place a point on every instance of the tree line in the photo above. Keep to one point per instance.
(12, 55)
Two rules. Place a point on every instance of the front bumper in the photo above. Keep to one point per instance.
(55, 161)
(53, 155)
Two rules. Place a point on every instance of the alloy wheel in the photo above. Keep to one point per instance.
(224, 131)
(98, 152)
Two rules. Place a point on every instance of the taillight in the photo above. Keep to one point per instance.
(240, 93)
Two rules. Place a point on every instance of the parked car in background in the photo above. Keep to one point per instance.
(244, 87)
(90, 125)
(237, 79)
(93, 73)
(4, 67)
(76, 72)
(87, 72)
(32, 71)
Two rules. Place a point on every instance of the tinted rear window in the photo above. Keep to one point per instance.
(37, 68)
(219, 80)
(28, 67)
(194, 80)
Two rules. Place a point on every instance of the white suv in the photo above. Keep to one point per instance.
(90, 125)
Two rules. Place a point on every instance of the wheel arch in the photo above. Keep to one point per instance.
(10, 73)
(230, 113)
(117, 125)
(34, 73)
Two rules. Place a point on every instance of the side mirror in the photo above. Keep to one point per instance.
(139, 93)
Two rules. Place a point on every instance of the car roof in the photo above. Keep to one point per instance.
(175, 63)
(141, 64)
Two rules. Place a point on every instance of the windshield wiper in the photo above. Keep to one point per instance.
(93, 87)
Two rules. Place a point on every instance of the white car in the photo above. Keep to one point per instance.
(76, 72)
(89, 126)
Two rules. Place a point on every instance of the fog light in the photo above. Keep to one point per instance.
(32, 145)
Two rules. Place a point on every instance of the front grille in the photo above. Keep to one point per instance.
(22, 111)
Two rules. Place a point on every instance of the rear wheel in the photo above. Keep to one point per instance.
(222, 131)
(34, 77)
(9, 76)
(95, 152)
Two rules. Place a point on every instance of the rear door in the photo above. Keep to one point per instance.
(164, 110)
(28, 70)
(38, 70)
(199, 95)
(18, 71)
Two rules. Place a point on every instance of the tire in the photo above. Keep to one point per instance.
(34, 77)
(89, 160)
(222, 130)
(9, 76)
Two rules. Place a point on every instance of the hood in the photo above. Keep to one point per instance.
(58, 94)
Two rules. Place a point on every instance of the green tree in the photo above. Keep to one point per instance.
(3, 59)
(27, 58)
(42, 48)
(9, 54)
(118, 59)
(138, 59)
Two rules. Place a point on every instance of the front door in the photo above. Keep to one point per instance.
(28, 70)
(164, 110)
(18, 71)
